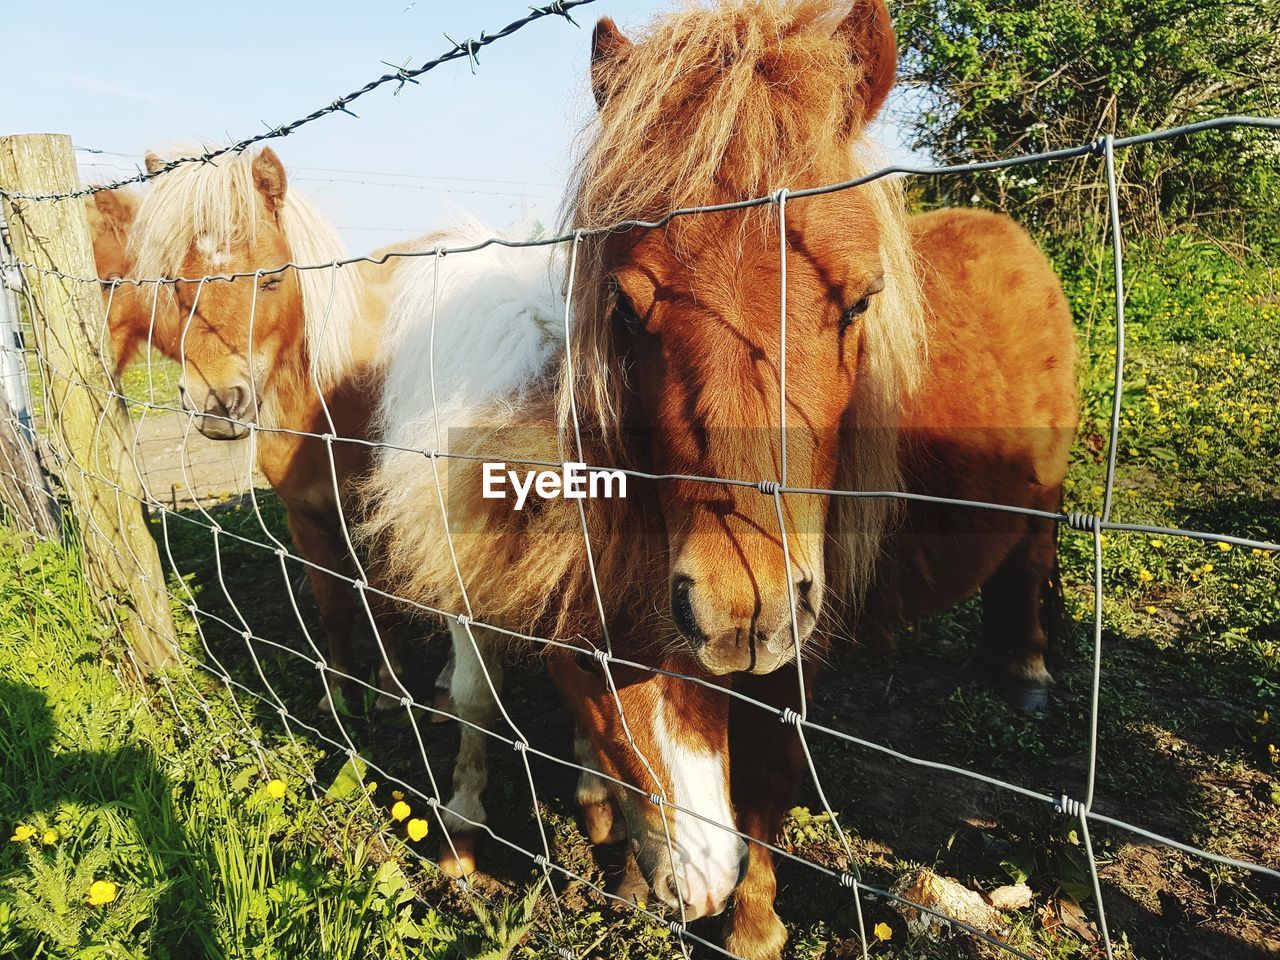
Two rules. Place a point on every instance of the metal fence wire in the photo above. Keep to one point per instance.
(34, 414)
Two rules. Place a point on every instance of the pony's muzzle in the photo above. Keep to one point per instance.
(757, 639)
(227, 413)
(701, 889)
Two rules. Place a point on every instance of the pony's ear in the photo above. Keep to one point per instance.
(270, 179)
(868, 32)
(116, 205)
(153, 162)
(607, 41)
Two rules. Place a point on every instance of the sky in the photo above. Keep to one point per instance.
(495, 142)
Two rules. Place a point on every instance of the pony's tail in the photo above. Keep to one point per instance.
(1054, 604)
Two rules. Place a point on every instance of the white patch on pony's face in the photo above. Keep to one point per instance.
(209, 249)
(710, 854)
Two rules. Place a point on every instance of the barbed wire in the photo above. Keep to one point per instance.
(467, 49)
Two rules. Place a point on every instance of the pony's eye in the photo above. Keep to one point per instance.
(855, 310)
(852, 312)
(271, 284)
(624, 311)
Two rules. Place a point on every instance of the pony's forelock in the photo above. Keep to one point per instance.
(217, 205)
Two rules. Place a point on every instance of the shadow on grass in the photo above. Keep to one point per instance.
(127, 782)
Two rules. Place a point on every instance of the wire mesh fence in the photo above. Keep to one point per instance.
(246, 559)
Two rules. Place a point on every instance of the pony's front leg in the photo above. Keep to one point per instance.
(765, 765)
(388, 622)
(442, 699)
(476, 707)
(603, 824)
(322, 546)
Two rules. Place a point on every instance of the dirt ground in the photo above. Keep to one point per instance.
(181, 465)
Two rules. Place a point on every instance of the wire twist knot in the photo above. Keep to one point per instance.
(790, 716)
(1088, 522)
(1071, 808)
(656, 799)
(770, 488)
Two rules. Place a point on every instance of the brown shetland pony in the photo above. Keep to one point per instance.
(291, 351)
(932, 354)
(135, 315)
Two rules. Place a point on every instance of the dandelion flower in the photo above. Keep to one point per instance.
(417, 829)
(400, 810)
(397, 794)
(1145, 575)
(1151, 609)
(1157, 544)
(883, 932)
(102, 891)
(49, 837)
(22, 833)
(372, 786)
(276, 789)
(1224, 547)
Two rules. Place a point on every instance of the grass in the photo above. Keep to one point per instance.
(196, 843)
(178, 812)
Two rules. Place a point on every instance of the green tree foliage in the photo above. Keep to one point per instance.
(996, 78)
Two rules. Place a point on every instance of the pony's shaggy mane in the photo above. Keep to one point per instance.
(217, 205)
(716, 104)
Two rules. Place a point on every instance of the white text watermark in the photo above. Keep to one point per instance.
(573, 481)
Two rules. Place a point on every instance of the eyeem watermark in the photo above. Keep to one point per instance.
(573, 481)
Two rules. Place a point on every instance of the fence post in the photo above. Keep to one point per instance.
(88, 428)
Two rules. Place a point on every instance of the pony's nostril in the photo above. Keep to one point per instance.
(664, 888)
(682, 610)
(804, 586)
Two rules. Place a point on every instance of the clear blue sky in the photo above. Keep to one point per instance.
(125, 76)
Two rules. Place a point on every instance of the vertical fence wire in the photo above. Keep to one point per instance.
(482, 637)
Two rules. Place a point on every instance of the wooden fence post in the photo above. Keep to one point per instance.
(88, 429)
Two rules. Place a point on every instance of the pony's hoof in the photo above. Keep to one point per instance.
(458, 859)
(442, 705)
(602, 826)
(325, 705)
(755, 938)
(1032, 698)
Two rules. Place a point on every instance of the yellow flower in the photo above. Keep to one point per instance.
(372, 786)
(417, 829)
(1207, 568)
(102, 891)
(1151, 609)
(1157, 544)
(275, 789)
(1145, 575)
(400, 810)
(1224, 547)
(397, 794)
(49, 837)
(22, 833)
(883, 932)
